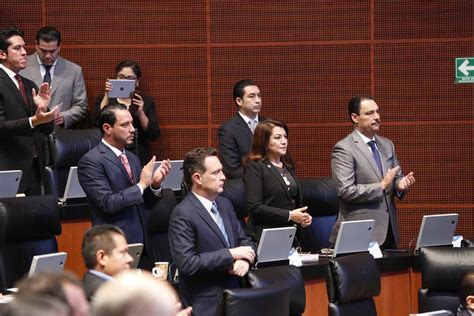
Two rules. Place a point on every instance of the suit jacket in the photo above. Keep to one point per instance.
(201, 254)
(91, 283)
(358, 184)
(67, 87)
(18, 141)
(113, 197)
(235, 140)
(268, 199)
(141, 145)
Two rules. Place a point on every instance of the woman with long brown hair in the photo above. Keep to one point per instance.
(273, 194)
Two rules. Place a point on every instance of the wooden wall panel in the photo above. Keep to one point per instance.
(407, 19)
(123, 22)
(281, 21)
(415, 82)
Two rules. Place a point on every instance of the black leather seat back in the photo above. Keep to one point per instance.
(288, 275)
(32, 224)
(66, 149)
(272, 300)
(442, 269)
(352, 281)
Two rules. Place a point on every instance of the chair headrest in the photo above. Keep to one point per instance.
(351, 278)
(68, 146)
(320, 196)
(31, 217)
(442, 268)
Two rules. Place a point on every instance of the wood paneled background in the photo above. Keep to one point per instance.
(309, 58)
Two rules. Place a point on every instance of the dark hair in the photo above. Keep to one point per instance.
(466, 288)
(260, 140)
(48, 34)
(194, 162)
(240, 86)
(354, 105)
(107, 115)
(5, 37)
(97, 238)
(47, 284)
(129, 63)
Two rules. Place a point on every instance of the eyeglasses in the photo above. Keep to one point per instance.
(126, 77)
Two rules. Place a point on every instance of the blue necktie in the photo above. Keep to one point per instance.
(376, 155)
(219, 221)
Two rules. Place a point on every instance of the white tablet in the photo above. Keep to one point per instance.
(122, 88)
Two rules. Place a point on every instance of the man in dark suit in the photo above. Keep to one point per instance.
(368, 175)
(117, 188)
(24, 115)
(235, 136)
(105, 254)
(65, 77)
(207, 242)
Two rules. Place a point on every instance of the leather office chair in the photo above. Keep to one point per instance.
(66, 149)
(321, 198)
(287, 275)
(352, 282)
(442, 269)
(32, 224)
(271, 301)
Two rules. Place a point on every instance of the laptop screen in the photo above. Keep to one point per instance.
(354, 236)
(53, 262)
(10, 181)
(73, 188)
(275, 244)
(437, 230)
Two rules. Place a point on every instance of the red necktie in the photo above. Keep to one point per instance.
(21, 87)
(124, 159)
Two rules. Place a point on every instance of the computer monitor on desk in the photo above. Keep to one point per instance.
(73, 191)
(274, 246)
(9, 183)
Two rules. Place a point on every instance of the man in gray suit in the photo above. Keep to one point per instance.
(65, 77)
(368, 175)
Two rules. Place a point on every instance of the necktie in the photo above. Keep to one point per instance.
(21, 87)
(252, 125)
(47, 74)
(376, 155)
(124, 159)
(219, 221)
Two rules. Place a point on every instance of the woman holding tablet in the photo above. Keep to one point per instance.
(273, 194)
(140, 106)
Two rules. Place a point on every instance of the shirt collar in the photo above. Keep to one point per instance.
(9, 72)
(41, 63)
(364, 138)
(207, 203)
(101, 275)
(246, 118)
(116, 151)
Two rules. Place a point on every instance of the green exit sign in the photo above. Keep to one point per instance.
(465, 70)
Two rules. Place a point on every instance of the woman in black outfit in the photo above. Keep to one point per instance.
(273, 194)
(141, 107)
